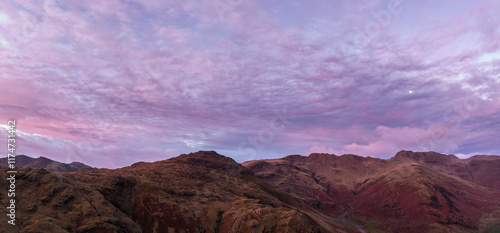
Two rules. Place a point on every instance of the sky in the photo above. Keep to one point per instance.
(111, 83)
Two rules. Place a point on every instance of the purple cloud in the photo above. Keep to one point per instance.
(113, 83)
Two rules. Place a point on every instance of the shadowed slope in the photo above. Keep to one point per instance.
(207, 192)
(412, 192)
(197, 192)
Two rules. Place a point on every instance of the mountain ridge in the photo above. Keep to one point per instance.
(45, 163)
(208, 192)
(439, 191)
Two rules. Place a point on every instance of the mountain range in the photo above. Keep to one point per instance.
(208, 192)
(45, 163)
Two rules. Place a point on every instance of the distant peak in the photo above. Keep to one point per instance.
(205, 152)
(41, 158)
(484, 157)
(294, 157)
(201, 154)
(45, 163)
(322, 158)
(351, 156)
(24, 157)
(321, 155)
(404, 154)
(208, 159)
(205, 156)
(424, 157)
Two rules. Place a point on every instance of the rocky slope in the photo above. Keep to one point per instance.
(197, 192)
(412, 192)
(45, 163)
(208, 192)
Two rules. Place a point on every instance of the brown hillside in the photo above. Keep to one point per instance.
(412, 192)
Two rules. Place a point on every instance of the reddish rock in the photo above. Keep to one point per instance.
(208, 192)
(412, 192)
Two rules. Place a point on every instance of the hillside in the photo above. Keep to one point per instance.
(197, 192)
(411, 192)
(208, 192)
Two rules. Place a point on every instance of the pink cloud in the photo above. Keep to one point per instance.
(436, 137)
(153, 75)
